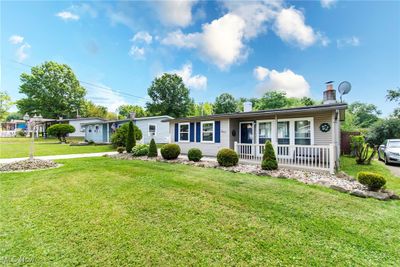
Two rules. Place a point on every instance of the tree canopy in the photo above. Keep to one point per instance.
(364, 115)
(394, 95)
(125, 110)
(90, 109)
(52, 90)
(272, 100)
(225, 103)
(169, 96)
(5, 104)
(382, 130)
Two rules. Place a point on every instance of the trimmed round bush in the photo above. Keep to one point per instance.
(140, 150)
(373, 181)
(60, 131)
(194, 154)
(120, 149)
(227, 157)
(170, 151)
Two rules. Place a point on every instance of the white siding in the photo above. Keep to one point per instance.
(77, 125)
(162, 130)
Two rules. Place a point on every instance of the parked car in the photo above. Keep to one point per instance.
(389, 151)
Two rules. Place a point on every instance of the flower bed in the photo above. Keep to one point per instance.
(340, 182)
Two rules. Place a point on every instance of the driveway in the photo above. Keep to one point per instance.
(395, 169)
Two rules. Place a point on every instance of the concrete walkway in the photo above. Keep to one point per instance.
(68, 156)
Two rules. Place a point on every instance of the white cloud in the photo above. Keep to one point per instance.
(105, 96)
(181, 40)
(290, 27)
(351, 41)
(260, 73)
(294, 85)
(255, 14)
(221, 41)
(16, 39)
(197, 82)
(83, 9)
(21, 52)
(137, 52)
(328, 3)
(66, 15)
(175, 13)
(143, 37)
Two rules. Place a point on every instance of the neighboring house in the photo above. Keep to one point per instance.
(306, 137)
(10, 128)
(79, 131)
(151, 127)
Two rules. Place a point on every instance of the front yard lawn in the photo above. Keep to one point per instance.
(19, 147)
(106, 212)
(349, 166)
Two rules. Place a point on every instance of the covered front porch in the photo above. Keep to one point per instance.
(298, 142)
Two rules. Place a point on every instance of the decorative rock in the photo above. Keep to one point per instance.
(29, 164)
(358, 193)
(378, 195)
(339, 188)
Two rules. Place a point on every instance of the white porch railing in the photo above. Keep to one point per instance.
(302, 156)
(8, 133)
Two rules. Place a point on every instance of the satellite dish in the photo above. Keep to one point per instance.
(344, 88)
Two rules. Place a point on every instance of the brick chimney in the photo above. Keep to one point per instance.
(329, 94)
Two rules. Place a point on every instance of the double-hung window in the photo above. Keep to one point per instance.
(302, 132)
(152, 130)
(207, 132)
(283, 132)
(264, 132)
(184, 132)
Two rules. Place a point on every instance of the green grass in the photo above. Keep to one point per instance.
(105, 212)
(19, 147)
(349, 166)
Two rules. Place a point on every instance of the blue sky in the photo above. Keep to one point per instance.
(243, 48)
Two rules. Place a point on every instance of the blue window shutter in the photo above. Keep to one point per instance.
(192, 132)
(198, 132)
(217, 131)
(176, 132)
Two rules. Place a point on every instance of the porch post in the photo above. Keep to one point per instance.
(235, 146)
(332, 158)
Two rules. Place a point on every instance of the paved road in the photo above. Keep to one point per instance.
(68, 156)
(395, 169)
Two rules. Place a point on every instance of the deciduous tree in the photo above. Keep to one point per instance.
(52, 90)
(169, 96)
(225, 103)
(5, 104)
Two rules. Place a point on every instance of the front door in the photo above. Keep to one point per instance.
(246, 132)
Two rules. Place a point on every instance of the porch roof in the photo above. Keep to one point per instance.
(260, 113)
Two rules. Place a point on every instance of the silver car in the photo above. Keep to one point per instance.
(389, 151)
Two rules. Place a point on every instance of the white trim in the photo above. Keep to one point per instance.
(155, 130)
(257, 135)
(213, 131)
(179, 132)
(240, 131)
(292, 128)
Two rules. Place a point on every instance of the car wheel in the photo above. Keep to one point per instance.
(386, 160)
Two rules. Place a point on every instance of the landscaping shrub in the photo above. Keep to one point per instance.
(170, 151)
(372, 180)
(60, 131)
(130, 138)
(120, 149)
(20, 133)
(269, 159)
(140, 150)
(119, 137)
(194, 154)
(361, 150)
(152, 149)
(227, 157)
